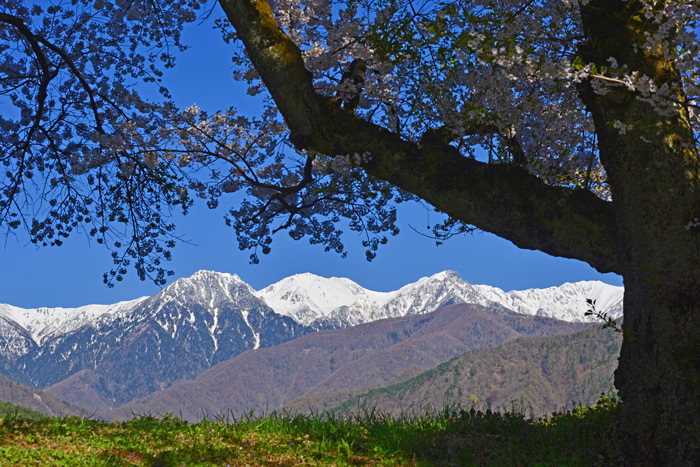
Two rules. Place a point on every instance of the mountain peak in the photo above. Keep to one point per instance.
(447, 275)
(204, 274)
(208, 279)
(307, 297)
(205, 287)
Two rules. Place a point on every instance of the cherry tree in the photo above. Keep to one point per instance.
(564, 126)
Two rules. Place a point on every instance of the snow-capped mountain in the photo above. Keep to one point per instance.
(307, 297)
(133, 348)
(337, 302)
(43, 323)
(205, 300)
(566, 302)
(100, 356)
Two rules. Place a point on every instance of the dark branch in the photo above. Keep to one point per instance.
(502, 199)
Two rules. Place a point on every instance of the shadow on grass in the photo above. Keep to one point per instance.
(455, 436)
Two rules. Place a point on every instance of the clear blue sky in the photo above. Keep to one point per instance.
(71, 275)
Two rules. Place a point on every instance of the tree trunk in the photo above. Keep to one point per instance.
(654, 174)
(658, 372)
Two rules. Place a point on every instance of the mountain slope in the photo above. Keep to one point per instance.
(537, 374)
(102, 356)
(326, 361)
(39, 401)
(172, 336)
(41, 324)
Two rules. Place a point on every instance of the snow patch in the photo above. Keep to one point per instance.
(256, 335)
(43, 323)
(212, 329)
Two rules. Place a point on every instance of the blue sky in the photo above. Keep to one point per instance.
(71, 275)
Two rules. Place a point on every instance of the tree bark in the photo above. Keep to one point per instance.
(654, 172)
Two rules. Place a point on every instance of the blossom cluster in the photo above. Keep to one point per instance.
(502, 65)
(342, 164)
(434, 65)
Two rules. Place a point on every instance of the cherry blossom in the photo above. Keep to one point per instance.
(83, 150)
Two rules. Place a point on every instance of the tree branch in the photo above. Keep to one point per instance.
(34, 41)
(501, 199)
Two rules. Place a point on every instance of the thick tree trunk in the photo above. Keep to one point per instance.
(654, 174)
(658, 375)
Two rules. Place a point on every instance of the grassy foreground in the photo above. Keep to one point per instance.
(585, 436)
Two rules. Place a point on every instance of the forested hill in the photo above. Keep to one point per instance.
(538, 374)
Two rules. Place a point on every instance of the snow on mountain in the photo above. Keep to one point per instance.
(308, 297)
(116, 352)
(206, 292)
(423, 296)
(429, 293)
(205, 286)
(14, 339)
(109, 354)
(566, 302)
(44, 323)
(336, 302)
(205, 295)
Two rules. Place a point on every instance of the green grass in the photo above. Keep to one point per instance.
(585, 436)
(17, 411)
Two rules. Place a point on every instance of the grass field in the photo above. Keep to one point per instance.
(585, 436)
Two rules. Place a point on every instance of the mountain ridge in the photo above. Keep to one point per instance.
(294, 296)
(537, 374)
(103, 356)
(40, 401)
(330, 360)
(339, 302)
(174, 335)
